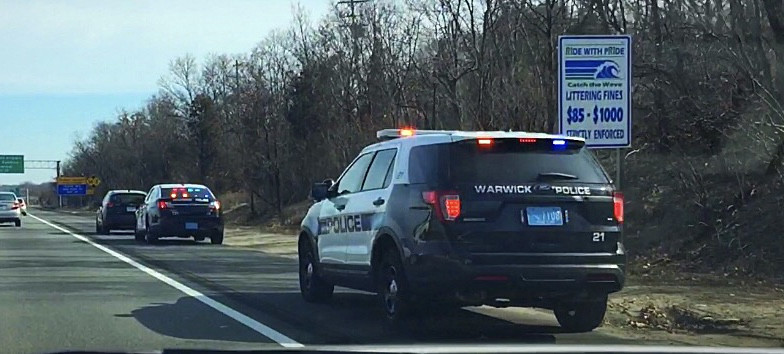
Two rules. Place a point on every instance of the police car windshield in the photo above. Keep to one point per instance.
(509, 161)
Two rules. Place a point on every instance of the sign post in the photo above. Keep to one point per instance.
(11, 163)
(594, 88)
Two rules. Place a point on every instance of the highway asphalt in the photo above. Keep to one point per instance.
(64, 288)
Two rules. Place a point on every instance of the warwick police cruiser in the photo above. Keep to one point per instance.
(443, 219)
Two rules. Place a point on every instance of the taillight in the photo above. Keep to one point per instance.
(215, 205)
(109, 204)
(618, 206)
(15, 206)
(162, 204)
(484, 141)
(446, 204)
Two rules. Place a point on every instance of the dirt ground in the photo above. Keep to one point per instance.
(657, 305)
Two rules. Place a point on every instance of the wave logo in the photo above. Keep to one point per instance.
(592, 70)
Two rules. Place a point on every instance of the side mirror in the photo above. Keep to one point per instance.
(320, 191)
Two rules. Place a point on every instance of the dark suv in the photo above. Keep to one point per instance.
(117, 211)
(435, 219)
(180, 210)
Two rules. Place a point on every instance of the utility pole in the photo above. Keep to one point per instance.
(237, 65)
(354, 26)
(59, 197)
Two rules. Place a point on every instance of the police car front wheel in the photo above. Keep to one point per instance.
(312, 287)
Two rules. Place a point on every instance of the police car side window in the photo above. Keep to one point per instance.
(379, 169)
(351, 181)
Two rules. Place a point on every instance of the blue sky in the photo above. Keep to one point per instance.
(69, 64)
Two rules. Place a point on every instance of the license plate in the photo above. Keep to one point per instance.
(130, 209)
(544, 216)
(191, 226)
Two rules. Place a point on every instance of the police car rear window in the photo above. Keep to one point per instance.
(513, 161)
(188, 194)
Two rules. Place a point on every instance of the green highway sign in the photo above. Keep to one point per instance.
(11, 163)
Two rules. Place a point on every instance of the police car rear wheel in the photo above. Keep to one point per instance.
(138, 235)
(393, 288)
(581, 316)
(312, 287)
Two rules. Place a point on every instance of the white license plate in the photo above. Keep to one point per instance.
(191, 226)
(130, 209)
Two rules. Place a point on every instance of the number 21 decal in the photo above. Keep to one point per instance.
(598, 237)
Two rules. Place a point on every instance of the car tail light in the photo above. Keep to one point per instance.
(215, 205)
(15, 206)
(446, 204)
(109, 204)
(618, 206)
(162, 204)
(484, 141)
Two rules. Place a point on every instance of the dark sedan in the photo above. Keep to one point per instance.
(118, 210)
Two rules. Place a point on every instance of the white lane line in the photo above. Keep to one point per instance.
(260, 328)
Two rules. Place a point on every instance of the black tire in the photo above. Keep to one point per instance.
(18, 223)
(101, 228)
(581, 316)
(312, 287)
(393, 289)
(149, 236)
(138, 235)
(217, 238)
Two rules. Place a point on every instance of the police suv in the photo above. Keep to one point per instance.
(440, 219)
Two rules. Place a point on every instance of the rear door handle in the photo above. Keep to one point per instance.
(378, 202)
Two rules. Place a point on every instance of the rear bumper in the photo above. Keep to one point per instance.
(177, 227)
(10, 215)
(120, 221)
(520, 278)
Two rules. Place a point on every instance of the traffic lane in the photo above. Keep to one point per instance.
(58, 293)
(265, 287)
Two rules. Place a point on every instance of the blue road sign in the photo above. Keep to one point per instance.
(594, 89)
(72, 189)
